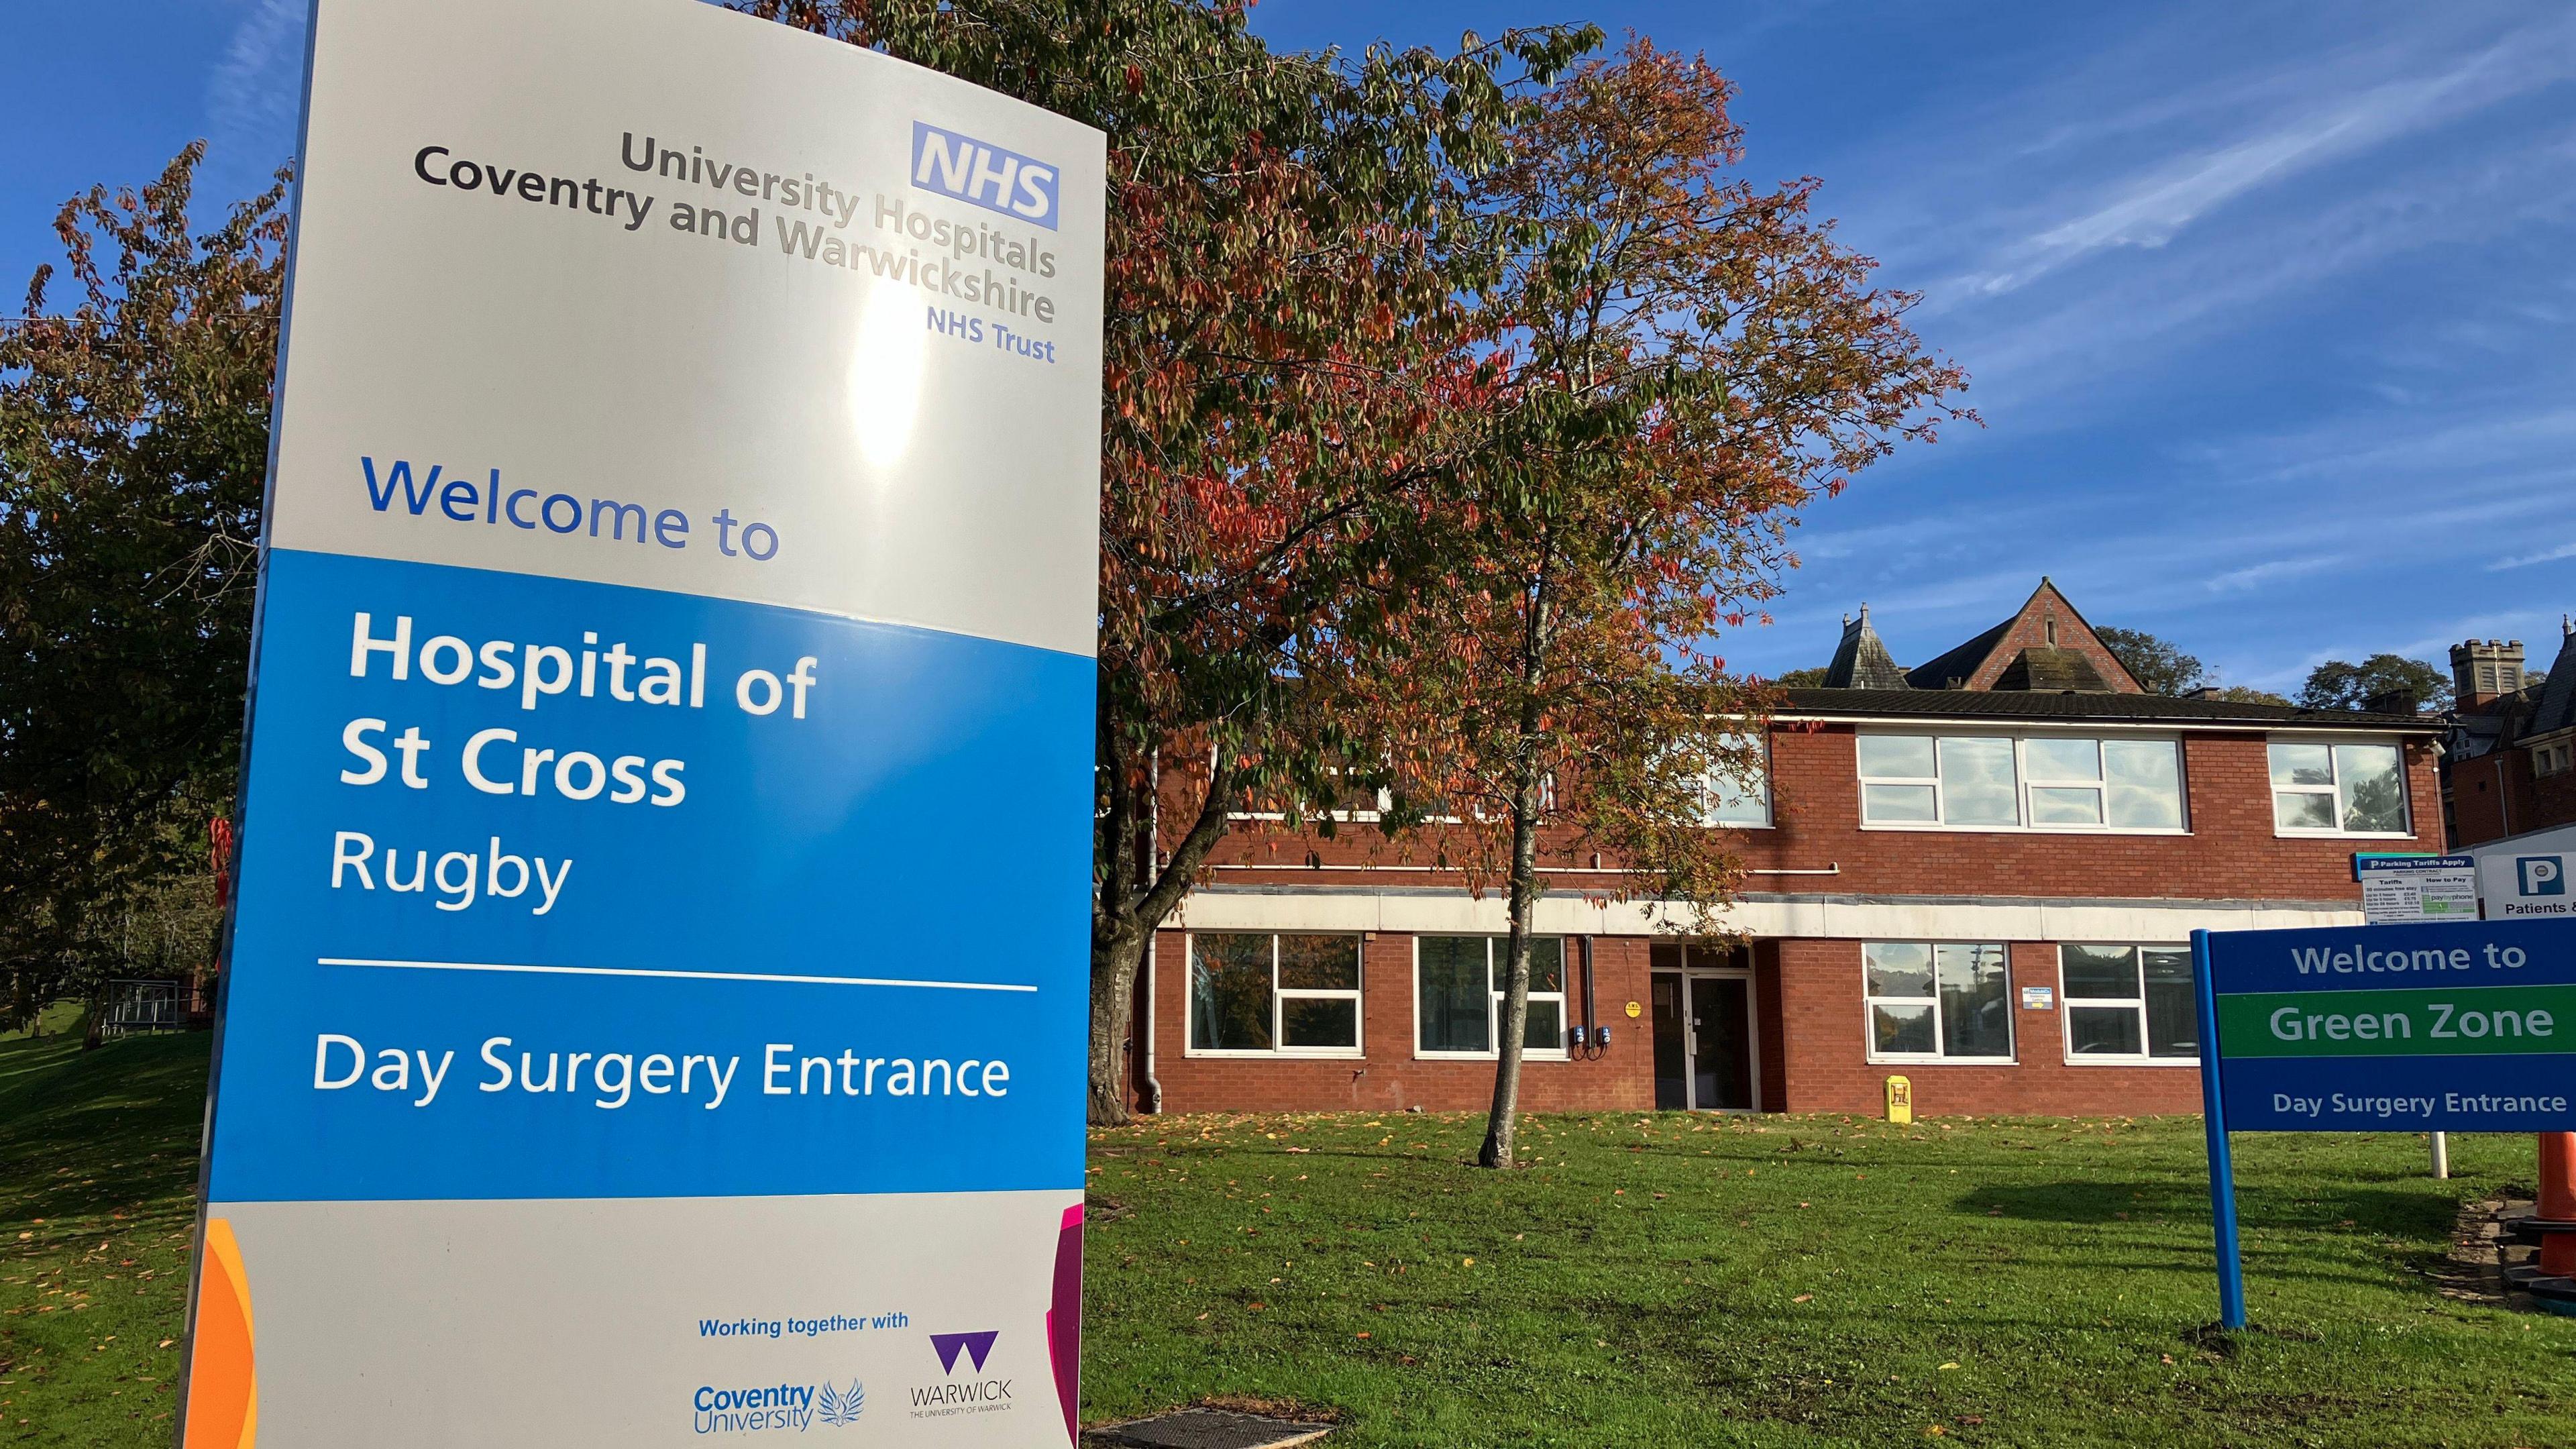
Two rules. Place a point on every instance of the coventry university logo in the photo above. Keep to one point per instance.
(840, 1410)
(776, 1406)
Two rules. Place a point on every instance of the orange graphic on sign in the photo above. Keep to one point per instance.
(223, 1392)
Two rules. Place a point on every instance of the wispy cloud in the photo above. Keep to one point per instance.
(2237, 581)
(253, 94)
(2524, 561)
(2148, 208)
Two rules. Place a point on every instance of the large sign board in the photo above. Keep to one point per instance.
(656, 1001)
(2468, 1027)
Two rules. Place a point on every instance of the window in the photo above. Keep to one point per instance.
(1937, 1001)
(2553, 759)
(1730, 798)
(1997, 782)
(1458, 994)
(2323, 788)
(1264, 993)
(2129, 1004)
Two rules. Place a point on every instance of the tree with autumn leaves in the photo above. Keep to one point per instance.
(1290, 384)
(133, 451)
(1683, 359)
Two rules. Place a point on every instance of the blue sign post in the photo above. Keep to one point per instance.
(2467, 1027)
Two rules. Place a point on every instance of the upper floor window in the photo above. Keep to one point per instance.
(2553, 759)
(2129, 1003)
(1741, 795)
(2326, 788)
(2002, 782)
(1458, 994)
(1945, 1001)
(1265, 993)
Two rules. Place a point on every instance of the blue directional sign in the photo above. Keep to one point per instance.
(2447, 1027)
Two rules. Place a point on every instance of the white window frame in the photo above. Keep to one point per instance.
(1710, 784)
(2333, 789)
(1279, 996)
(1935, 1058)
(2068, 1003)
(1495, 948)
(2022, 784)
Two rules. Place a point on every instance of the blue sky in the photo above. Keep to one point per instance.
(2269, 307)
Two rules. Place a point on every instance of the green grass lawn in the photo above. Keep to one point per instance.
(1649, 1280)
(98, 1181)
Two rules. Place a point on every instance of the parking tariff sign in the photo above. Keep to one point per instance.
(656, 1003)
(2466, 1027)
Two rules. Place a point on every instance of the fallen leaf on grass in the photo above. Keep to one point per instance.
(1802, 1298)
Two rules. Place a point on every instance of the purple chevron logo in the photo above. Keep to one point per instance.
(976, 1346)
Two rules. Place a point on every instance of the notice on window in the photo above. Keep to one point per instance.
(683, 552)
(2400, 888)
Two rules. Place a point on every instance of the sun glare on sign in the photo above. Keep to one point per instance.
(885, 375)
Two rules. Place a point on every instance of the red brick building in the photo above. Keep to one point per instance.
(2509, 762)
(1980, 874)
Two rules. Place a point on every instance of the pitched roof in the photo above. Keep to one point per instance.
(1958, 663)
(1982, 662)
(2052, 671)
(2557, 708)
(1861, 660)
(1983, 704)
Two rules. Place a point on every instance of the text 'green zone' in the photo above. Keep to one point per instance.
(2469, 1021)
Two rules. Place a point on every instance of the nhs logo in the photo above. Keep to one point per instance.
(985, 174)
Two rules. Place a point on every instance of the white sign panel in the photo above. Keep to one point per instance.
(681, 578)
(2526, 883)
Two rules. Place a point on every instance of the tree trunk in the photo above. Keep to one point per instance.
(1133, 899)
(1528, 784)
(1499, 1124)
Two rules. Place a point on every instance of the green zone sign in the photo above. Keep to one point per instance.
(2458, 1027)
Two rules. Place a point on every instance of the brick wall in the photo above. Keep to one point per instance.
(1808, 992)
(1829, 1068)
(2029, 630)
(2229, 854)
(1391, 1078)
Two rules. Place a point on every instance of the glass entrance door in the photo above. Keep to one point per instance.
(1721, 1043)
(1706, 1053)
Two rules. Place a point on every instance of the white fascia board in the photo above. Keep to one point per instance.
(1812, 917)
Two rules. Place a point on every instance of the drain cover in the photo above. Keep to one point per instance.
(1207, 1429)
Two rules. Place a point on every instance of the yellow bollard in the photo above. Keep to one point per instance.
(1900, 1101)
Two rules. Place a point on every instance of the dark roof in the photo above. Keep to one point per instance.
(1959, 663)
(2052, 671)
(2557, 708)
(1861, 660)
(2134, 708)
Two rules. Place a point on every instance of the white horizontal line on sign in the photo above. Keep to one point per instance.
(504, 966)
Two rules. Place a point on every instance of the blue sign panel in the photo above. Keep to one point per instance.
(2446, 1027)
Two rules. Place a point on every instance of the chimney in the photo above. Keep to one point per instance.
(2393, 701)
(2484, 671)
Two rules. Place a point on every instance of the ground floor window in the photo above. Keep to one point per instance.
(1458, 994)
(1937, 1001)
(2129, 1003)
(1274, 993)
